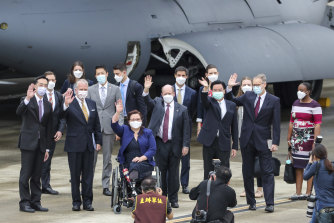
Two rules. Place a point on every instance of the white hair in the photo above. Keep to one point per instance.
(262, 77)
(82, 81)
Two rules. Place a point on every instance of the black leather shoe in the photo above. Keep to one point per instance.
(269, 208)
(89, 207)
(39, 207)
(185, 190)
(106, 192)
(76, 208)
(49, 190)
(174, 205)
(27, 208)
(252, 207)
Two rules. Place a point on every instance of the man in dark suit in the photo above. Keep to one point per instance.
(82, 138)
(170, 125)
(34, 143)
(261, 112)
(220, 124)
(131, 92)
(58, 125)
(187, 97)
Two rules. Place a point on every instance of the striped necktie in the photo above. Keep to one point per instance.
(84, 110)
(257, 106)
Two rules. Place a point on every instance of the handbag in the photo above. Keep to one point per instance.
(275, 163)
(289, 172)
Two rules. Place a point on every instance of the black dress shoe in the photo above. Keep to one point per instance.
(76, 208)
(106, 192)
(252, 207)
(185, 190)
(49, 190)
(269, 208)
(39, 207)
(27, 208)
(174, 205)
(89, 207)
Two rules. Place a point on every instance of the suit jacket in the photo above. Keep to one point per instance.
(180, 128)
(32, 130)
(260, 127)
(145, 140)
(212, 123)
(79, 132)
(107, 110)
(58, 122)
(189, 100)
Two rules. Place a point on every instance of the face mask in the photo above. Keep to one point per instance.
(257, 90)
(118, 78)
(101, 79)
(82, 94)
(218, 95)
(213, 78)
(41, 91)
(301, 95)
(181, 80)
(51, 85)
(78, 74)
(246, 88)
(168, 98)
(135, 124)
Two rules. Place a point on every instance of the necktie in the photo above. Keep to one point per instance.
(40, 111)
(257, 106)
(179, 97)
(50, 99)
(165, 126)
(103, 95)
(84, 110)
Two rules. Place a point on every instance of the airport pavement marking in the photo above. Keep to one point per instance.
(235, 210)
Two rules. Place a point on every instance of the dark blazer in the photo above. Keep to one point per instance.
(58, 122)
(32, 130)
(200, 109)
(79, 132)
(189, 100)
(212, 123)
(260, 127)
(67, 85)
(180, 128)
(146, 142)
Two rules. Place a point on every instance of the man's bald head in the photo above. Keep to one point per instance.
(167, 90)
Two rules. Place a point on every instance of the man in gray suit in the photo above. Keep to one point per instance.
(105, 95)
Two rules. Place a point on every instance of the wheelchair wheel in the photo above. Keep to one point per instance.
(117, 209)
(114, 187)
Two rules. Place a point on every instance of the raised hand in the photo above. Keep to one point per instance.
(68, 97)
(119, 106)
(203, 82)
(233, 80)
(148, 83)
(31, 91)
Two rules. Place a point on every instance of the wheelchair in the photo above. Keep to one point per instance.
(124, 189)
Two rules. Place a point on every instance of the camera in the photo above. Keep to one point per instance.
(200, 216)
(216, 164)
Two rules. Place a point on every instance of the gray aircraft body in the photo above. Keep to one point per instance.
(284, 39)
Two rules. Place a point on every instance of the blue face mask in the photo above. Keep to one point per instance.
(257, 89)
(218, 95)
(101, 79)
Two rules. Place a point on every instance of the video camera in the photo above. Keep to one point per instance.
(216, 164)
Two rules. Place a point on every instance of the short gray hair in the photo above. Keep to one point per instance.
(262, 77)
(82, 81)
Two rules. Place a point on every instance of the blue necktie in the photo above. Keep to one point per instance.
(123, 96)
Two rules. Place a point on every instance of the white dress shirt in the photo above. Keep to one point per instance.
(53, 98)
(262, 100)
(170, 123)
(222, 105)
(183, 90)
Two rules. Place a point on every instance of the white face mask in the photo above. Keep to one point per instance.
(77, 73)
(246, 88)
(135, 124)
(168, 98)
(41, 91)
(181, 80)
(118, 78)
(51, 85)
(82, 94)
(301, 95)
(213, 77)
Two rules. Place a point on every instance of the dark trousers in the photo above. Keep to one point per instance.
(30, 177)
(81, 163)
(214, 152)
(267, 174)
(185, 168)
(46, 168)
(169, 167)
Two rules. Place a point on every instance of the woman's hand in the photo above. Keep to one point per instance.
(139, 159)
(119, 106)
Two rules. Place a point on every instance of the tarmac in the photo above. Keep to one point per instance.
(60, 205)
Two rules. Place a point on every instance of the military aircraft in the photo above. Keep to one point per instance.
(284, 39)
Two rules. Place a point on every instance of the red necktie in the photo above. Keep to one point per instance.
(165, 126)
(50, 100)
(257, 106)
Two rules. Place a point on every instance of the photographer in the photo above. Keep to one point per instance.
(322, 170)
(151, 206)
(212, 206)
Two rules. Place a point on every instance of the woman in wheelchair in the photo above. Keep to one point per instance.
(138, 145)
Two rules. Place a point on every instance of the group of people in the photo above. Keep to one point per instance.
(96, 115)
